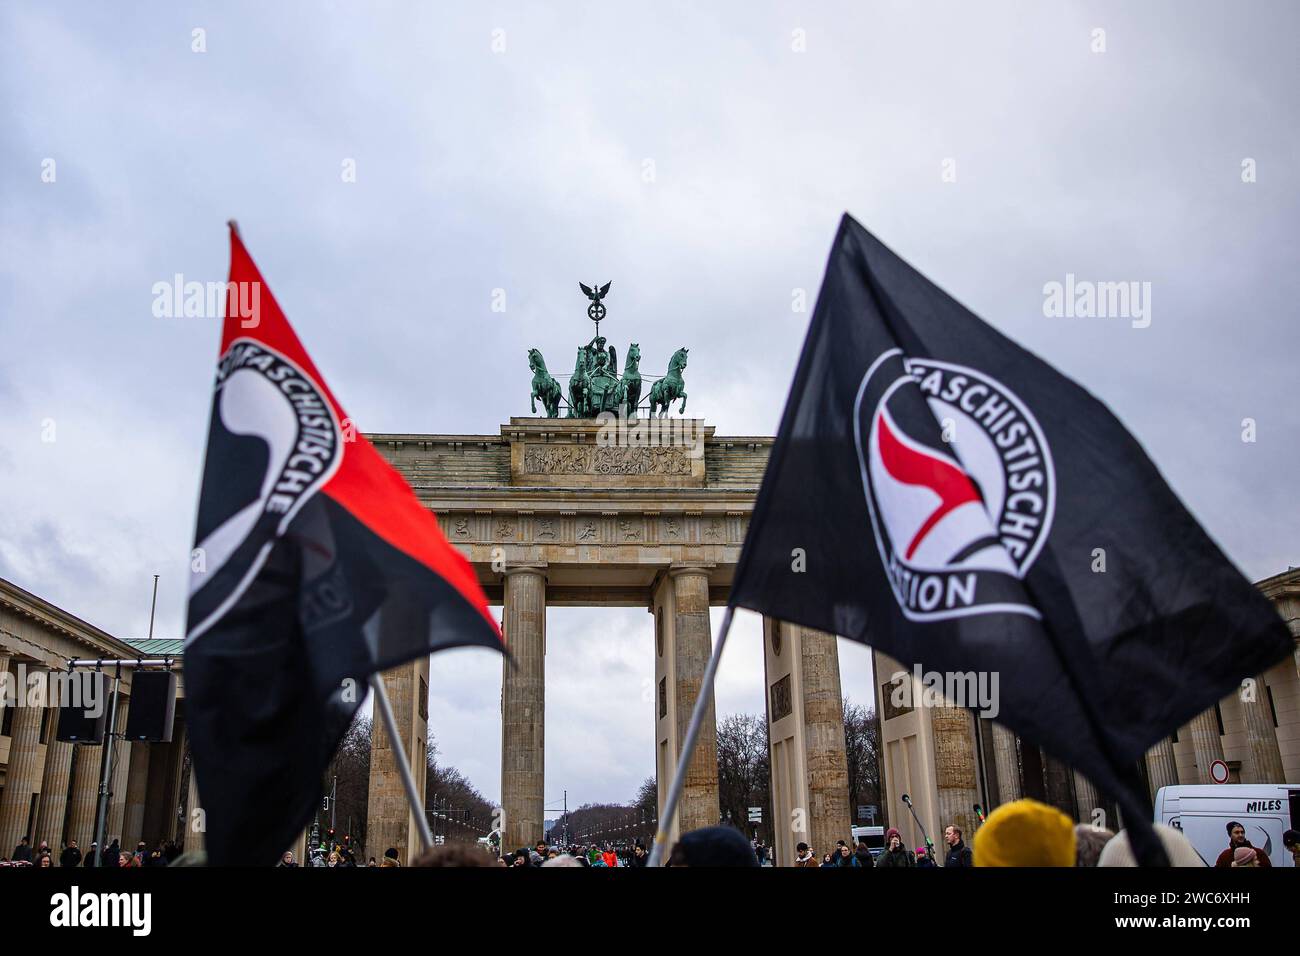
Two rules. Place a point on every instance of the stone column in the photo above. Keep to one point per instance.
(54, 788)
(1086, 797)
(194, 828)
(1006, 759)
(137, 790)
(523, 708)
(1206, 743)
(117, 782)
(692, 647)
(23, 777)
(1264, 759)
(85, 794)
(4, 669)
(176, 824)
(1162, 768)
(1058, 780)
(829, 816)
(388, 818)
(955, 774)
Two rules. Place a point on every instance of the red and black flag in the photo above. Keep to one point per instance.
(961, 505)
(315, 566)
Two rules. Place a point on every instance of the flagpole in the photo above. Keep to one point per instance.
(403, 765)
(669, 814)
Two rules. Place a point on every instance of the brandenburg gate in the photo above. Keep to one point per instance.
(615, 505)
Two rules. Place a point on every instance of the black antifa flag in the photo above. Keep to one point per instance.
(314, 567)
(953, 498)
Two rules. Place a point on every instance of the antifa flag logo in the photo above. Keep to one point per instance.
(273, 443)
(957, 522)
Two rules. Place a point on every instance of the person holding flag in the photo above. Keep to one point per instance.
(315, 568)
(963, 506)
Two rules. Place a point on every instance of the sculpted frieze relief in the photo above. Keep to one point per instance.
(667, 461)
(649, 528)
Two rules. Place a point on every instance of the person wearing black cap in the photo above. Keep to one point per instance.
(713, 846)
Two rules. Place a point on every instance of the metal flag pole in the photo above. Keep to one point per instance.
(403, 765)
(702, 702)
(110, 731)
(101, 816)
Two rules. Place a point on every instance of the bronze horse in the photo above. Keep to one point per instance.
(544, 386)
(671, 387)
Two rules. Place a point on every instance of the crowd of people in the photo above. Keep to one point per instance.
(114, 855)
(1026, 833)
(1023, 833)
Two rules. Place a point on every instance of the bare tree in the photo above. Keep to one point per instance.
(351, 765)
(862, 748)
(744, 772)
(647, 797)
(457, 811)
(601, 823)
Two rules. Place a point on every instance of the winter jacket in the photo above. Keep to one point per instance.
(1224, 862)
(901, 857)
(959, 855)
(71, 856)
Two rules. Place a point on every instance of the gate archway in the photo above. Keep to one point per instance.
(576, 513)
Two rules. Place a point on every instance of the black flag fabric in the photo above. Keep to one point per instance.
(315, 566)
(941, 494)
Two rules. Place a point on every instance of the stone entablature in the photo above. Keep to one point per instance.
(1284, 591)
(595, 528)
(598, 515)
(570, 453)
(32, 627)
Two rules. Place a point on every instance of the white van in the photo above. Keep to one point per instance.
(875, 837)
(1204, 811)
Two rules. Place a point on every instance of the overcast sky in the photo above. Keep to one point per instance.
(697, 155)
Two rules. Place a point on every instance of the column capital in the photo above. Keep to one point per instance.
(690, 567)
(536, 568)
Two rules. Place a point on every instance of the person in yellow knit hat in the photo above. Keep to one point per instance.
(1025, 833)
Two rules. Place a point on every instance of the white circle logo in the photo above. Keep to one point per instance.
(959, 483)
